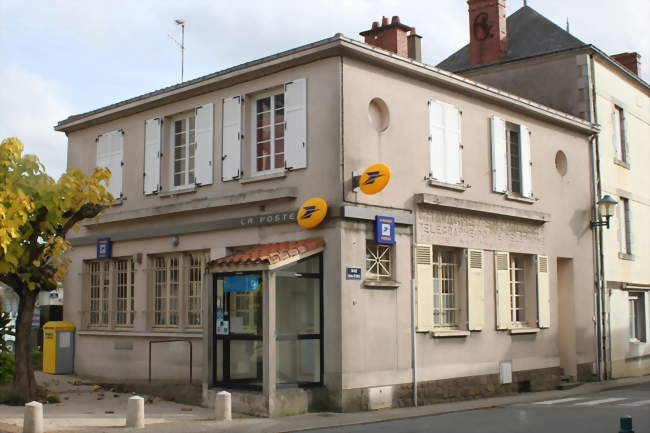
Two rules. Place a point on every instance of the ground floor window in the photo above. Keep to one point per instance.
(379, 261)
(111, 293)
(445, 285)
(176, 282)
(637, 316)
(517, 289)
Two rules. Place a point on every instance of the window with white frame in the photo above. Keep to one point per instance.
(445, 287)
(450, 288)
(379, 261)
(269, 132)
(511, 158)
(177, 289)
(620, 143)
(183, 145)
(111, 293)
(522, 284)
(637, 316)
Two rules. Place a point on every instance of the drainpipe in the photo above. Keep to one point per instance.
(413, 298)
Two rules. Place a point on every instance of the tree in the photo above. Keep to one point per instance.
(36, 213)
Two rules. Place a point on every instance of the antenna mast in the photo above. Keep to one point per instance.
(181, 44)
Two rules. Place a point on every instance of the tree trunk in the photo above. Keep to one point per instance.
(25, 382)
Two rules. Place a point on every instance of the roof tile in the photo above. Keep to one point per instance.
(270, 254)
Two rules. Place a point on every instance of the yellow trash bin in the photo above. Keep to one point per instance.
(58, 347)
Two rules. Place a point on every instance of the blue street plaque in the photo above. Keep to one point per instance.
(384, 230)
(104, 249)
(352, 273)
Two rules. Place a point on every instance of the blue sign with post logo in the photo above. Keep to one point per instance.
(104, 249)
(384, 230)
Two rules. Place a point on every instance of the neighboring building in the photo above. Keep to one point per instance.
(491, 233)
(537, 59)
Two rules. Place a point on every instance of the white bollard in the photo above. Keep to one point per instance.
(33, 419)
(135, 412)
(222, 406)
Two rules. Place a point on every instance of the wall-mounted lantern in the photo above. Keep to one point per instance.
(606, 206)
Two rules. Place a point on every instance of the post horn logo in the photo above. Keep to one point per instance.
(373, 179)
(311, 213)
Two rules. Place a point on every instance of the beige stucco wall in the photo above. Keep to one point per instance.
(633, 182)
(403, 146)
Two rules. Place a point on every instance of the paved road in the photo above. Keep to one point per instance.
(590, 413)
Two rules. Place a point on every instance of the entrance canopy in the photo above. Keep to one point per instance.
(267, 256)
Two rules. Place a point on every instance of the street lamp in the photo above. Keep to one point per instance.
(606, 206)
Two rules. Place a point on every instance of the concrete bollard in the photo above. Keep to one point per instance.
(135, 412)
(626, 424)
(222, 406)
(33, 418)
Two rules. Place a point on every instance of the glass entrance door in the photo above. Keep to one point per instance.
(238, 329)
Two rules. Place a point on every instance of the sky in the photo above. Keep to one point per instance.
(65, 57)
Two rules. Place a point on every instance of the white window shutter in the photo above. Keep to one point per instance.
(295, 116)
(231, 143)
(152, 132)
(204, 137)
(424, 281)
(452, 145)
(499, 155)
(624, 137)
(475, 290)
(526, 162)
(109, 155)
(543, 293)
(437, 141)
(502, 287)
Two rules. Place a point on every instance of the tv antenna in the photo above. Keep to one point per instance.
(180, 44)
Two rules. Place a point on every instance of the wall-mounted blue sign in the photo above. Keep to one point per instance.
(384, 230)
(352, 273)
(104, 249)
(241, 283)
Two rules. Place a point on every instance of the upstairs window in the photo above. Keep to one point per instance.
(511, 159)
(624, 224)
(183, 146)
(379, 261)
(445, 148)
(620, 134)
(269, 133)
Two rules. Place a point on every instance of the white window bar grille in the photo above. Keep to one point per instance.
(378, 261)
(517, 289)
(194, 290)
(124, 293)
(445, 312)
(99, 293)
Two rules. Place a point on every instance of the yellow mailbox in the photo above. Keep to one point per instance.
(58, 347)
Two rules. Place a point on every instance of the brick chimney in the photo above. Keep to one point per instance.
(631, 61)
(395, 37)
(487, 30)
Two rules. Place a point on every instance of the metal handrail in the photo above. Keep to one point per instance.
(189, 341)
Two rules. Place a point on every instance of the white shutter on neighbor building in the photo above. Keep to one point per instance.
(502, 288)
(617, 134)
(424, 282)
(444, 142)
(526, 162)
(231, 143)
(475, 290)
(295, 116)
(203, 153)
(110, 148)
(152, 132)
(543, 293)
(499, 155)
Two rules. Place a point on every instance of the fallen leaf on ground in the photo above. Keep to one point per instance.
(109, 411)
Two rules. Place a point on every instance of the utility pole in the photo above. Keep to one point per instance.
(181, 44)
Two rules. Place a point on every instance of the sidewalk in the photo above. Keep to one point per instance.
(83, 412)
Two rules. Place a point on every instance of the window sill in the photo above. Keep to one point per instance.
(625, 256)
(262, 177)
(118, 201)
(175, 192)
(520, 199)
(460, 187)
(449, 333)
(381, 284)
(519, 331)
(128, 333)
(621, 163)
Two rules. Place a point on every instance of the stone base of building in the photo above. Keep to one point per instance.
(284, 402)
(586, 372)
(446, 390)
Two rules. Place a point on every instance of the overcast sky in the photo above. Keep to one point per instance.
(63, 57)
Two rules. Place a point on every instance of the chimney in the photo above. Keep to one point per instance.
(487, 29)
(631, 61)
(395, 37)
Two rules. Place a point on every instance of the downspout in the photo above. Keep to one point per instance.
(602, 329)
(413, 306)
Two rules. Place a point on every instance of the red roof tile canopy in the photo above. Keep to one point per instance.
(269, 254)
